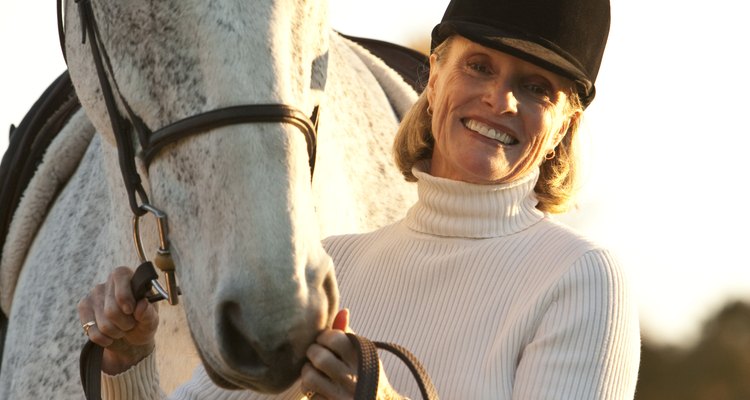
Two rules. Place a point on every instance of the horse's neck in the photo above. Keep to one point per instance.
(356, 184)
(400, 95)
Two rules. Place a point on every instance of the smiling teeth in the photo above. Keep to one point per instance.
(489, 132)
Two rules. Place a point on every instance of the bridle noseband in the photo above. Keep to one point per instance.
(152, 142)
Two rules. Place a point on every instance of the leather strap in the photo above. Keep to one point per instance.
(90, 364)
(368, 371)
(255, 113)
(426, 387)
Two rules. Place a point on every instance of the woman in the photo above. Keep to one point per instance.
(494, 297)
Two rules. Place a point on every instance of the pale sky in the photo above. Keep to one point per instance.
(665, 139)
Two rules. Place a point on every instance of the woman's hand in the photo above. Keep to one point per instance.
(331, 372)
(124, 327)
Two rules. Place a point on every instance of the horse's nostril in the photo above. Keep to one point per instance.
(244, 350)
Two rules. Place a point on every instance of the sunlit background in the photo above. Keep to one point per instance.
(666, 139)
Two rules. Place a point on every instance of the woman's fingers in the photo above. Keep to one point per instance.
(332, 367)
(87, 314)
(147, 318)
(340, 345)
(332, 370)
(341, 321)
(115, 312)
(118, 305)
(124, 327)
(313, 380)
(121, 291)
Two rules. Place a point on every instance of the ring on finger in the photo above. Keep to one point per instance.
(88, 326)
(309, 394)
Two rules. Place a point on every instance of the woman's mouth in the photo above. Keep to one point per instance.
(489, 132)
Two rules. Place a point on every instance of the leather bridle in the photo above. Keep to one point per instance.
(152, 142)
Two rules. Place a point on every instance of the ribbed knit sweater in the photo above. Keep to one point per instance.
(497, 300)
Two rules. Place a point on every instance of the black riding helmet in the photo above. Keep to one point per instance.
(563, 36)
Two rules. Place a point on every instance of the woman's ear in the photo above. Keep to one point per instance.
(432, 80)
(567, 123)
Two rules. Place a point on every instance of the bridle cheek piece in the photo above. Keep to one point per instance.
(152, 142)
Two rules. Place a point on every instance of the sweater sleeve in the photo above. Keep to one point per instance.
(140, 382)
(587, 344)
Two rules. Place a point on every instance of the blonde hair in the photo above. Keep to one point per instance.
(558, 178)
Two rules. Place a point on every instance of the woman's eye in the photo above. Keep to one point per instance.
(538, 90)
(479, 67)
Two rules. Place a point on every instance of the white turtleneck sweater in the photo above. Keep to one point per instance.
(497, 300)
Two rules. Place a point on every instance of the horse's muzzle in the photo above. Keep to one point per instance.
(266, 354)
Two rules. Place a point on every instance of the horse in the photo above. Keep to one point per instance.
(246, 209)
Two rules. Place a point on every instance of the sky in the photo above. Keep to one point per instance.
(665, 141)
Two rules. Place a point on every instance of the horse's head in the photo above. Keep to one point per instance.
(257, 284)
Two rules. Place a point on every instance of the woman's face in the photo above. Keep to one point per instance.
(494, 116)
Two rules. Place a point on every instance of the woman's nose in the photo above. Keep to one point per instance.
(501, 98)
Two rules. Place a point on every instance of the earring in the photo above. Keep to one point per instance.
(429, 110)
(550, 155)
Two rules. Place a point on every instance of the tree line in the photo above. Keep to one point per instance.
(717, 367)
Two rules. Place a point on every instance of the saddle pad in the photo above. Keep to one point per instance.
(28, 143)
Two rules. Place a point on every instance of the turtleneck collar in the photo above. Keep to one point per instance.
(460, 209)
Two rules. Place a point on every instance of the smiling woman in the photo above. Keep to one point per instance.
(499, 118)
(478, 137)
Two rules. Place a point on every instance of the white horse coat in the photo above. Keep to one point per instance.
(245, 220)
